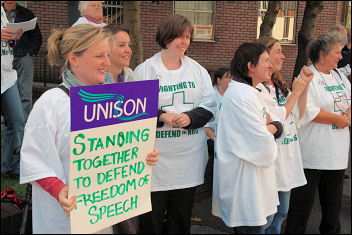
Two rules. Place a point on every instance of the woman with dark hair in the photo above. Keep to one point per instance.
(186, 104)
(244, 188)
(281, 104)
(221, 79)
(324, 139)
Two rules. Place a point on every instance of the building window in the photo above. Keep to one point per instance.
(112, 11)
(285, 26)
(201, 14)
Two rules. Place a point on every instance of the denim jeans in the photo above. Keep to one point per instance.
(24, 67)
(280, 216)
(11, 109)
(254, 229)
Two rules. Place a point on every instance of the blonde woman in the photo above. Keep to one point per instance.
(82, 52)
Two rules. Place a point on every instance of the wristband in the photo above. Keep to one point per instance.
(279, 127)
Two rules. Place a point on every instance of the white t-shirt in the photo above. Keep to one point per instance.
(8, 74)
(182, 153)
(323, 146)
(83, 20)
(45, 153)
(288, 164)
(244, 184)
(218, 99)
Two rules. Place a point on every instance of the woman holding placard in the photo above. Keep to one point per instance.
(82, 52)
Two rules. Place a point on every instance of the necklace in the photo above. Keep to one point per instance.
(340, 99)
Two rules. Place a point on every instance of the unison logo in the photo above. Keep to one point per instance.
(116, 108)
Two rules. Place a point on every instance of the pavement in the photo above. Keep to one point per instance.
(203, 222)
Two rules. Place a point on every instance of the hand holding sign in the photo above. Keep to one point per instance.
(153, 157)
(67, 204)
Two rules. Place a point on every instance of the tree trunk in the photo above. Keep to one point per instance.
(131, 17)
(306, 33)
(266, 28)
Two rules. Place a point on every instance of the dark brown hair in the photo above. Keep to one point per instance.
(172, 27)
(246, 52)
(219, 74)
(276, 77)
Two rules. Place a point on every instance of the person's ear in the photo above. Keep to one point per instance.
(72, 59)
(84, 12)
(321, 57)
(251, 67)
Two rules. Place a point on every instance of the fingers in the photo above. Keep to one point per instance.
(227, 75)
(7, 34)
(298, 85)
(66, 204)
(306, 73)
(183, 120)
(19, 34)
(153, 157)
(69, 205)
(176, 120)
(268, 118)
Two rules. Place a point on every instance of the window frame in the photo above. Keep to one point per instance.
(197, 39)
(261, 13)
(109, 6)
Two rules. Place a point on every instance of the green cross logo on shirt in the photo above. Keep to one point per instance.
(179, 99)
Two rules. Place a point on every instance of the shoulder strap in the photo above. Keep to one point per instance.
(338, 73)
(65, 89)
(277, 94)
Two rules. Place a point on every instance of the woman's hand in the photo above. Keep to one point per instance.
(8, 34)
(343, 122)
(307, 74)
(169, 118)
(19, 34)
(65, 203)
(183, 120)
(153, 157)
(298, 86)
(268, 118)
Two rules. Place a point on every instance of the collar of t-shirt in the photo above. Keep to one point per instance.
(247, 80)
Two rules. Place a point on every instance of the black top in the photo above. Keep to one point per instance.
(31, 40)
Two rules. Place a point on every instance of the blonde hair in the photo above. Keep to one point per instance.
(276, 77)
(76, 39)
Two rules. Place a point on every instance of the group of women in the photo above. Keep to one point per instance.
(260, 155)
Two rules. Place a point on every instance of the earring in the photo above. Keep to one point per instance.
(322, 63)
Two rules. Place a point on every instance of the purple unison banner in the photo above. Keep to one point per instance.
(108, 104)
(113, 129)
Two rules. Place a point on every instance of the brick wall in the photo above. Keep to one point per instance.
(235, 23)
(51, 14)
